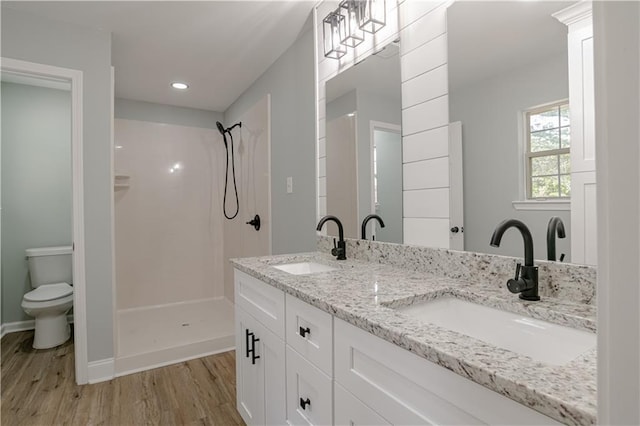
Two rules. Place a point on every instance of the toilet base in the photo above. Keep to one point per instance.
(51, 331)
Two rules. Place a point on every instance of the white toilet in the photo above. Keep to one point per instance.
(51, 274)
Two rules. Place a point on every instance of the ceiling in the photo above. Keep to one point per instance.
(492, 37)
(218, 47)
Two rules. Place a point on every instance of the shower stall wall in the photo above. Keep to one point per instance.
(170, 299)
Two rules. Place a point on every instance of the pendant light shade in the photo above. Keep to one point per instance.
(350, 33)
(372, 15)
(331, 35)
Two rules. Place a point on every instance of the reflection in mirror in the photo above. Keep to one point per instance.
(507, 59)
(364, 146)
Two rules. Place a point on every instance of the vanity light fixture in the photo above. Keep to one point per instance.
(345, 26)
(372, 15)
(350, 33)
(179, 85)
(331, 35)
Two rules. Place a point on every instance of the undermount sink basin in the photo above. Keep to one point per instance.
(304, 268)
(539, 340)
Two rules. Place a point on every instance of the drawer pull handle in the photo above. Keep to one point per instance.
(304, 403)
(246, 343)
(304, 331)
(253, 349)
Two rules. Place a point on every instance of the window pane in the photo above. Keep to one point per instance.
(564, 115)
(545, 140)
(541, 166)
(565, 185)
(544, 187)
(565, 137)
(565, 163)
(545, 120)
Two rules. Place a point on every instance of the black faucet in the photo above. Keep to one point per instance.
(366, 220)
(526, 279)
(555, 226)
(339, 250)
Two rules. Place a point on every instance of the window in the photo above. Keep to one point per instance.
(548, 163)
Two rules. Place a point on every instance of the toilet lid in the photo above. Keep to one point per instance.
(49, 292)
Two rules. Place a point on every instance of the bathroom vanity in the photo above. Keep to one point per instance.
(321, 341)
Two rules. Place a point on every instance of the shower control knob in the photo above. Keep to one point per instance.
(255, 222)
(455, 230)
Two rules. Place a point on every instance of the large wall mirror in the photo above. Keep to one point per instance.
(364, 145)
(505, 59)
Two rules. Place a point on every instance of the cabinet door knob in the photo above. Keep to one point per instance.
(304, 403)
(304, 331)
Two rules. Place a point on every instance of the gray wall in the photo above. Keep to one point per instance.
(489, 112)
(290, 81)
(31, 38)
(36, 183)
(157, 113)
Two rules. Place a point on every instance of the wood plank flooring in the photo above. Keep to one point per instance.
(38, 388)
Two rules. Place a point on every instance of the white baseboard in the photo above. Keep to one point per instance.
(14, 327)
(101, 371)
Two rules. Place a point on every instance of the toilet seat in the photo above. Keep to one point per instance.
(49, 292)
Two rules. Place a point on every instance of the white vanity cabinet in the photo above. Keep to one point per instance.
(309, 336)
(402, 388)
(260, 351)
(299, 365)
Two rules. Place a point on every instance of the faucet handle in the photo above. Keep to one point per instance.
(518, 267)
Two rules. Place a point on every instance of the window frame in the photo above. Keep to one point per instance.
(529, 155)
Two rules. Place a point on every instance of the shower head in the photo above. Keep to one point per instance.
(221, 128)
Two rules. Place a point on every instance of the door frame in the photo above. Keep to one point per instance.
(388, 127)
(74, 77)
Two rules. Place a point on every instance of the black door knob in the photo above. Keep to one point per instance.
(455, 229)
(304, 403)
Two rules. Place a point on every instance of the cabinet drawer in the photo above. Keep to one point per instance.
(349, 410)
(407, 389)
(309, 392)
(310, 332)
(264, 302)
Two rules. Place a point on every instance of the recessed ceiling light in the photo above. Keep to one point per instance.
(180, 86)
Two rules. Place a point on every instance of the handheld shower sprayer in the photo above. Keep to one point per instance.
(224, 132)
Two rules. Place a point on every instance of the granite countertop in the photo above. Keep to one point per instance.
(364, 294)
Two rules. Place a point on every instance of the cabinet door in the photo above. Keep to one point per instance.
(260, 372)
(249, 375)
(309, 395)
(349, 410)
(271, 350)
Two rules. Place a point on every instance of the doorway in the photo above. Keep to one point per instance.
(40, 75)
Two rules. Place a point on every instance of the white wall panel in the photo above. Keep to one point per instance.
(432, 203)
(424, 145)
(322, 147)
(426, 57)
(426, 116)
(423, 30)
(322, 187)
(411, 11)
(427, 232)
(426, 174)
(424, 87)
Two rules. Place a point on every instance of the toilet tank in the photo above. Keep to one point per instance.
(48, 265)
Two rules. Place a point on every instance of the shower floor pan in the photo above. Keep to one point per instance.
(156, 336)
